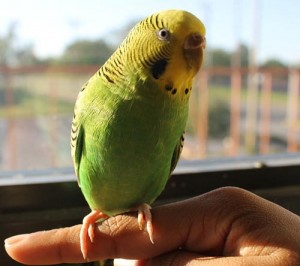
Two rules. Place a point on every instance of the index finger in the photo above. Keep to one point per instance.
(118, 236)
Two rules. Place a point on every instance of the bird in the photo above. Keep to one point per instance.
(129, 119)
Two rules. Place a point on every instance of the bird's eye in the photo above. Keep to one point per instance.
(163, 34)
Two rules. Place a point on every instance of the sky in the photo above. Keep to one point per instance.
(271, 27)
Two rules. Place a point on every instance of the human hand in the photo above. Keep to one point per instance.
(227, 226)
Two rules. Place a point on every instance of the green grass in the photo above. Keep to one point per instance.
(218, 93)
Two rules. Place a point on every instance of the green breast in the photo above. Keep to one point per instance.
(128, 144)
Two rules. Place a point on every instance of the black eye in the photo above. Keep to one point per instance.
(163, 34)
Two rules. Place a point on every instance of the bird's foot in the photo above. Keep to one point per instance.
(145, 219)
(88, 230)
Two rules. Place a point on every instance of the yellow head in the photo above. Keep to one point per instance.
(166, 47)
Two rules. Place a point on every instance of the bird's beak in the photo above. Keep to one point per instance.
(193, 47)
(194, 41)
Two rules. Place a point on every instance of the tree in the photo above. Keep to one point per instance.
(115, 37)
(11, 53)
(220, 57)
(274, 63)
(86, 52)
(238, 57)
(244, 50)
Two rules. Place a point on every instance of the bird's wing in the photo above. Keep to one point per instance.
(77, 143)
(176, 153)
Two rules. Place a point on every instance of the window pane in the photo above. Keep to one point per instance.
(245, 100)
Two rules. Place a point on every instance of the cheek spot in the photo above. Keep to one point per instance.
(158, 68)
(169, 87)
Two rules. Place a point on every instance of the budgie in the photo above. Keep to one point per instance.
(130, 117)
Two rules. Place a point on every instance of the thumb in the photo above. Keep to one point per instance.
(182, 257)
(170, 259)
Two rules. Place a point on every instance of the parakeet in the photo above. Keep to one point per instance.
(129, 118)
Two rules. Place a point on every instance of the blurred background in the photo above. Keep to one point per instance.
(245, 99)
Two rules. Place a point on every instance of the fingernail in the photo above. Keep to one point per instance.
(14, 240)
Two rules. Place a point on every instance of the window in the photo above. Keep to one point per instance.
(243, 126)
(245, 100)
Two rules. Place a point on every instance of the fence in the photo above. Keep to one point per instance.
(268, 94)
(233, 112)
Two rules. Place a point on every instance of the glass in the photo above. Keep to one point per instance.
(239, 106)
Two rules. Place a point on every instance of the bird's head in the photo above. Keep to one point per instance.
(168, 48)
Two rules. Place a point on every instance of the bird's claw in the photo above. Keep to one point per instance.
(88, 230)
(145, 220)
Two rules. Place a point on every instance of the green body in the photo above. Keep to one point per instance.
(127, 142)
(130, 117)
